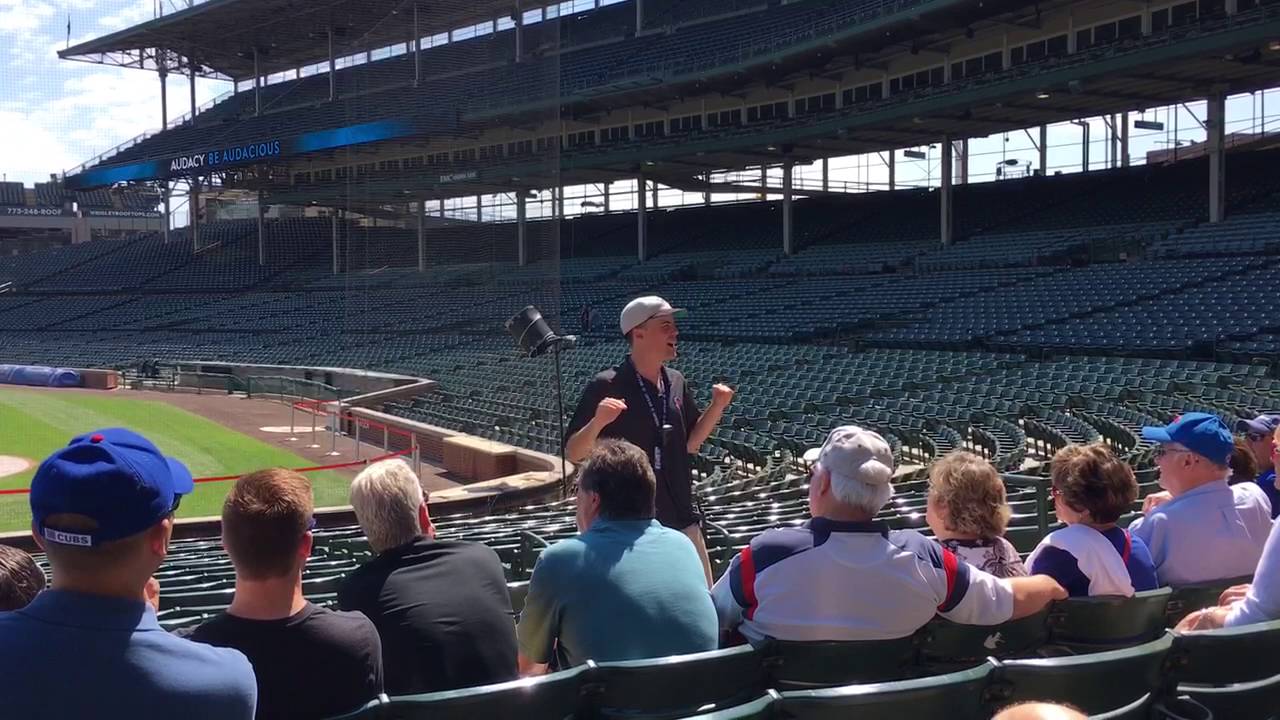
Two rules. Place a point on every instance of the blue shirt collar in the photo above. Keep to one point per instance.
(63, 607)
(605, 524)
(1217, 486)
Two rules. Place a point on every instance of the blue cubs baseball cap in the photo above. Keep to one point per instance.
(115, 477)
(1201, 433)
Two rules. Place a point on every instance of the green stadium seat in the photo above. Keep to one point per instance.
(558, 695)
(1189, 598)
(370, 710)
(953, 696)
(1085, 624)
(802, 665)
(1095, 683)
(1235, 672)
(762, 708)
(947, 644)
(680, 685)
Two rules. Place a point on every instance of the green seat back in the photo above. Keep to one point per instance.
(1095, 682)
(799, 665)
(1189, 598)
(679, 685)
(369, 711)
(947, 643)
(555, 697)
(952, 696)
(762, 708)
(1092, 623)
(1229, 655)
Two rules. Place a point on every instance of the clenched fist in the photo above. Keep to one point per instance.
(721, 395)
(608, 410)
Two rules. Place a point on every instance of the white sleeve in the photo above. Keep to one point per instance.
(1263, 601)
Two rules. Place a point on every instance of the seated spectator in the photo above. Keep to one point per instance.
(1242, 465)
(102, 510)
(843, 576)
(20, 578)
(1207, 530)
(441, 606)
(1091, 489)
(310, 662)
(1256, 602)
(1259, 434)
(967, 512)
(1039, 711)
(626, 588)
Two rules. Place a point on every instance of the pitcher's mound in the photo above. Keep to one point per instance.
(12, 465)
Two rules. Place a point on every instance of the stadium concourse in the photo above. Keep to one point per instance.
(387, 185)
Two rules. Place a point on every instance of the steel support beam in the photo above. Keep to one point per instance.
(642, 230)
(788, 243)
(944, 193)
(1215, 129)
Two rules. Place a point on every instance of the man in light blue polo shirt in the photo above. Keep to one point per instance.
(626, 588)
(1208, 530)
(90, 646)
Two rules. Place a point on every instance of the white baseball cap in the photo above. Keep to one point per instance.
(642, 309)
(855, 453)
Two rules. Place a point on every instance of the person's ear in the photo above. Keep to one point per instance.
(35, 535)
(158, 538)
(424, 521)
(822, 480)
(304, 547)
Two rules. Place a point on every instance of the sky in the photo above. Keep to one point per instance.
(56, 114)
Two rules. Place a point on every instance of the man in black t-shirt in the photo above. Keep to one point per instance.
(649, 405)
(310, 662)
(441, 606)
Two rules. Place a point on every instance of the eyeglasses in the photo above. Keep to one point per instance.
(177, 500)
(1255, 437)
(1162, 450)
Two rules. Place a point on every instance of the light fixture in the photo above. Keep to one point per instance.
(772, 148)
(1148, 125)
(913, 154)
(1274, 45)
(1042, 95)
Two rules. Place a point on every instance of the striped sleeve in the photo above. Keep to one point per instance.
(965, 594)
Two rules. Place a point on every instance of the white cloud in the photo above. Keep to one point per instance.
(23, 16)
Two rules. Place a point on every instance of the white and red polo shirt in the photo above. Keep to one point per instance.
(829, 580)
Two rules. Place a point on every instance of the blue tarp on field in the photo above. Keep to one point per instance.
(39, 376)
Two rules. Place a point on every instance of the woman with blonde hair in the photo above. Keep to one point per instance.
(967, 512)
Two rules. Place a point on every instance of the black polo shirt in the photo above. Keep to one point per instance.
(443, 611)
(674, 498)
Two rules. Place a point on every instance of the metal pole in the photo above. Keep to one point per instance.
(1215, 129)
(333, 431)
(333, 224)
(257, 85)
(417, 48)
(262, 243)
(356, 422)
(313, 444)
(522, 240)
(945, 191)
(642, 240)
(386, 438)
(788, 247)
(293, 411)
(333, 69)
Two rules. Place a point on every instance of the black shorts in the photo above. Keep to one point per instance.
(674, 503)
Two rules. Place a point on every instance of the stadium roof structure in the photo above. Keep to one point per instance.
(1231, 56)
(218, 38)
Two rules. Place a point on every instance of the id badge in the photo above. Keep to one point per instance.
(657, 458)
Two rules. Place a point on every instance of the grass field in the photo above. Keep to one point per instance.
(34, 424)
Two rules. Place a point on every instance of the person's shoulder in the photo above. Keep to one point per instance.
(924, 548)
(201, 645)
(605, 377)
(773, 546)
(1249, 493)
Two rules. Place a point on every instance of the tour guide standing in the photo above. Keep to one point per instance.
(649, 405)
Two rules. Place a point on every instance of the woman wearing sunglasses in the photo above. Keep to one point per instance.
(1091, 489)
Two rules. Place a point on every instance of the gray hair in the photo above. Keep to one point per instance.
(386, 497)
(857, 494)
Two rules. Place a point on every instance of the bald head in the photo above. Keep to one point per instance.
(1039, 711)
